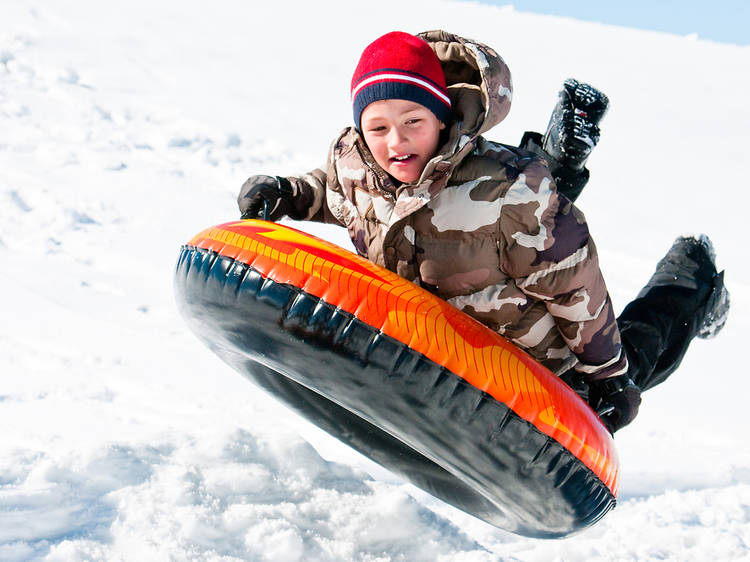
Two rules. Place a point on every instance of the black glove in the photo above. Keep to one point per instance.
(266, 197)
(615, 400)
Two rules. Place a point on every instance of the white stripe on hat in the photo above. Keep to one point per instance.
(384, 76)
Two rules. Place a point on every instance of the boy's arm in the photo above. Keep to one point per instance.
(308, 194)
(310, 198)
(298, 197)
(549, 251)
(301, 197)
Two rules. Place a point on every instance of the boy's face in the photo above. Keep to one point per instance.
(402, 136)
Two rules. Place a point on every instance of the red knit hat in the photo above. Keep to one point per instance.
(400, 66)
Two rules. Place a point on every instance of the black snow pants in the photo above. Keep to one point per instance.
(656, 330)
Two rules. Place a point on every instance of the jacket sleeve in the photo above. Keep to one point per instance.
(310, 192)
(550, 254)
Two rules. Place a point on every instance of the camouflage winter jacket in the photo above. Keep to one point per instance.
(483, 228)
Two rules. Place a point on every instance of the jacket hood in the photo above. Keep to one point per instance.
(479, 83)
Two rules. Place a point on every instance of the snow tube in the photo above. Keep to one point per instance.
(399, 375)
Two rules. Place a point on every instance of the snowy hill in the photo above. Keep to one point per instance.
(126, 129)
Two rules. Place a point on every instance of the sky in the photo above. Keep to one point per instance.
(725, 21)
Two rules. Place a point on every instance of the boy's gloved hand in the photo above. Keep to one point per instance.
(266, 197)
(615, 400)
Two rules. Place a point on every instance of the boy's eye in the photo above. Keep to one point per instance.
(413, 121)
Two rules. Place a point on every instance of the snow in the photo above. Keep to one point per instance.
(125, 129)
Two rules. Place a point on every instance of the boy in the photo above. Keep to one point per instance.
(483, 226)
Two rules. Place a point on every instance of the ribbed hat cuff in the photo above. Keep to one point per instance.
(402, 91)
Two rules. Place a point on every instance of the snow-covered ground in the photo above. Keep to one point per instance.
(126, 128)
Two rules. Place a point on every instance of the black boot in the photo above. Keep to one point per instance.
(717, 310)
(572, 133)
(690, 263)
(573, 129)
(685, 298)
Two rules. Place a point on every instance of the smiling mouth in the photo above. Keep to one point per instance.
(403, 158)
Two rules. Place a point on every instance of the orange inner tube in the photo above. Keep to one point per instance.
(428, 325)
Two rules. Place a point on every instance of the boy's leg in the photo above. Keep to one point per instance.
(684, 298)
(571, 135)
